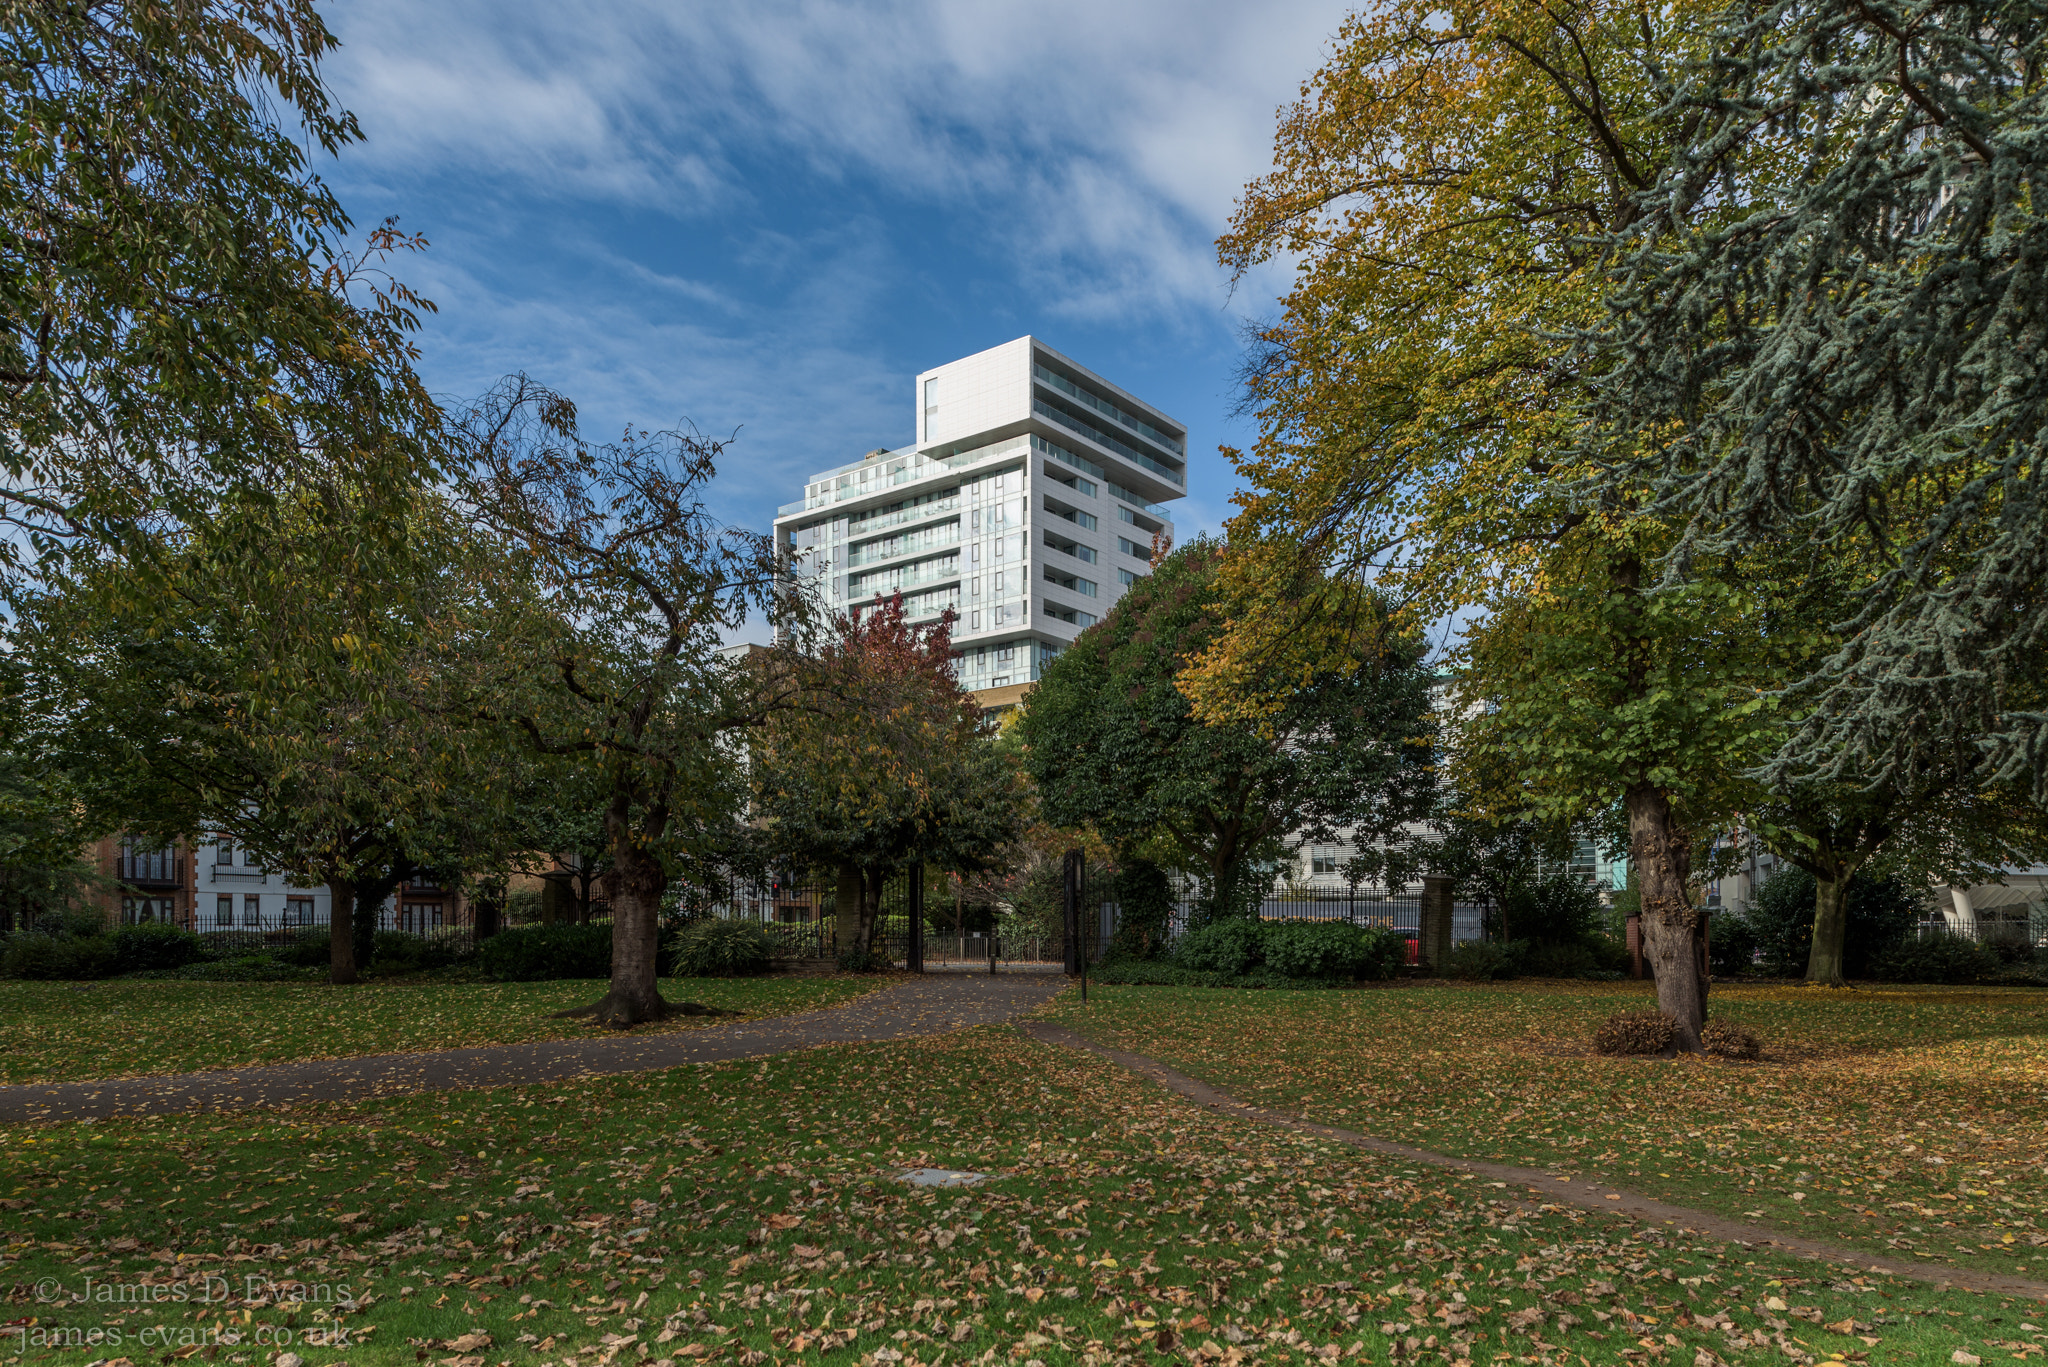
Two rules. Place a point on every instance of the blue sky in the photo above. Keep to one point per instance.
(770, 216)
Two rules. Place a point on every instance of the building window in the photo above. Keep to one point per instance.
(419, 916)
(1126, 578)
(1323, 859)
(252, 910)
(224, 854)
(136, 910)
(299, 911)
(223, 911)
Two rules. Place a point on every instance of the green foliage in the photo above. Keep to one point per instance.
(1596, 958)
(527, 954)
(310, 950)
(1881, 911)
(1116, 746)
(155, 945)
(36, 956)
(721, 948)
(394, 951)
(862, 959)
(1144, 908)
(1290, 950)
(1228, 948)
(177, 322)
(1824, 325)
(1555, 908)
(1938, 959)
(1332, 949)
(1732, 943)
(1484, 960)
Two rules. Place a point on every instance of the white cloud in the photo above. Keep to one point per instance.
(1104, 143)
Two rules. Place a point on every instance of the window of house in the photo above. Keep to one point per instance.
(299, 911)
(135, 910)
(224, 854)
(223, 911)
(252, 910)
(1324, 859)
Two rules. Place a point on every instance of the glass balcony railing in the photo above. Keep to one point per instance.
(1107, 409)
(1095, 434)
(909, 576)
(908, 543)
(1156, 509)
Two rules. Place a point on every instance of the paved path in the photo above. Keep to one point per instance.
(926, 1006)
(1549, 1187)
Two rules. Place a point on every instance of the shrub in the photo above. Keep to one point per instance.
(1636, 1032)
(314, 949)
(1729, 1040)
(861, 959)
(394, 951)
(530, 954)
(1731, 944)
(1312, 949)
(1881, 912)
(722, 948)
(1938, 959)
(1582, 960)
(1560, 909)
(55, 958)
(1228, 947)
(155, 945)
(1483, 960)
(1144, 907)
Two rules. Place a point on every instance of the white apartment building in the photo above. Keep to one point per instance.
(1031, 499)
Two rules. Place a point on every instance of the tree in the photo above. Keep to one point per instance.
(1114, 745)
(603, 647)
(176, 326)
(890, 770)
(1419, 395)
(319, 739)
(1826, 324)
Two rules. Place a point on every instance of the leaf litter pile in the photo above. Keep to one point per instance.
(58, 1032)
(1910, 1122)
(748, 1214)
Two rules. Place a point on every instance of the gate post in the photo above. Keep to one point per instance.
(1433, 931)
(913, 954)
(1070, 904)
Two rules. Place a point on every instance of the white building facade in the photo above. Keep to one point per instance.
(1033, 496)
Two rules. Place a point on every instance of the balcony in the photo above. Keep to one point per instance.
(1095, 434)
(154, 869)
(1106, 408)
(1070, 547)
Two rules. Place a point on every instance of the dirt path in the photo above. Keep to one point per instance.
(1553, 1189)
(926, 1006)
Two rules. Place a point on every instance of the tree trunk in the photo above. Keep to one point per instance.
(871, 881)
(363, 928)
(1830, 929)
(638, 882)
(848, 897)
(487, 911)
(341, 942)
(1673, 930)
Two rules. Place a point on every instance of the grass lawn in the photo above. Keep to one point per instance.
(745, 1213)
(1908, 1121)
(52, 1032)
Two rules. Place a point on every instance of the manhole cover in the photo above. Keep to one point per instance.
(941, 1177)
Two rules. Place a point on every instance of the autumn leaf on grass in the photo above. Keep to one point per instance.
(468, 1343)
(784, 1221)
